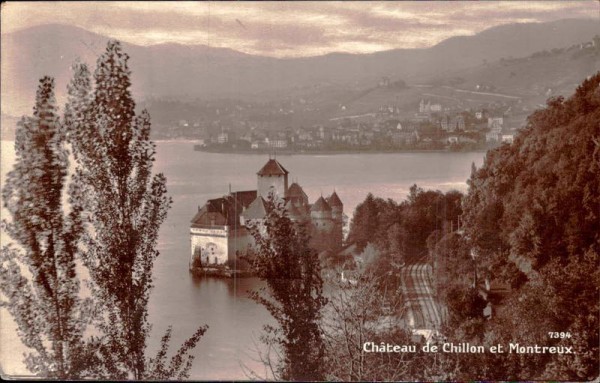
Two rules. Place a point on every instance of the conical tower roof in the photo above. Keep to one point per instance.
(320, 205)
(334, 200)
(272, 168)
(295, 190)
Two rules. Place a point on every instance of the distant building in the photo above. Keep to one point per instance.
(258, 145)
(280, 143)
(223, 138)
(246, 137)
(458, 123)
(495, 134)
(428, 107)
(304, 135)
(445, 123)
(219, 231)
(508, 138)
(389, 110)
(495, 122)
(404, 137)
(452, 124)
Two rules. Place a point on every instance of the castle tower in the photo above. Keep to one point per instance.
(337, 214)
(322, 225)
(337, 207)
(295, 213)
(320, 211)
(272, 178)
(297, 195)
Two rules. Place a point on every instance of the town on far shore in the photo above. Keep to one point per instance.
(433, 125)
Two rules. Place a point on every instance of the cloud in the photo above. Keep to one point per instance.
(283, 29)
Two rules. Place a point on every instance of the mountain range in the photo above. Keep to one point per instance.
(187, 72)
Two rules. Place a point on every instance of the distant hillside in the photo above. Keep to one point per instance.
(536, 77)
(188, 72)
(528, 81)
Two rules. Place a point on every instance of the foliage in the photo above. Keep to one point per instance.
(400, 231)
(179, 365)
(365, 221)
(294, 295)
(532, 219)
(464, 304)
(123, 205)
(44, 301)
(333, 261)
(453, 266)
(360, 313)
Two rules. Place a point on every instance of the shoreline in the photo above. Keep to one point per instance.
(217, 272)
(332, 152)
(197, 147)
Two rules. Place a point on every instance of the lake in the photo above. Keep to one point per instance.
(235, 322)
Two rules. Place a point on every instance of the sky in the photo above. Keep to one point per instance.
(291, 29)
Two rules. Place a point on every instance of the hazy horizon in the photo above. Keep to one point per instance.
(264, 29)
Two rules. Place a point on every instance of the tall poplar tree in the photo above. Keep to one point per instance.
(124, 205)
(44, 300)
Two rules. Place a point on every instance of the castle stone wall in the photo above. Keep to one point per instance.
(276, 183)
(211, 243)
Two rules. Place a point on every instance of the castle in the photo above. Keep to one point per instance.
(219, 232)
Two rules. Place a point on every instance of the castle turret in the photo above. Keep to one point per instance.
(295, 213)
(323, 225)
(296, 195)
(320, 209)
(337, 207)
(337, 214)
(272, 179)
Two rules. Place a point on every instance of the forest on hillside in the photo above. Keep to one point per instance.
(530, 222)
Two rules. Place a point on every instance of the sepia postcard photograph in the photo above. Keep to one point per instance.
(300, 191)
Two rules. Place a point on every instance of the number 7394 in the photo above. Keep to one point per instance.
(559, 335)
